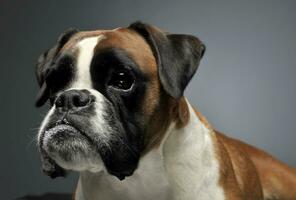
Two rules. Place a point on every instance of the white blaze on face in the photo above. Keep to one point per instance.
(82, 78)
(82, 81)
(85, 55)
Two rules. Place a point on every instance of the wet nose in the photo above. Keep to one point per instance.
(73, 100)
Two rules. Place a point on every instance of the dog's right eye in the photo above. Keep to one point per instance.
(122, 79)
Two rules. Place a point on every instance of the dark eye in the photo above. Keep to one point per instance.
(122, 80)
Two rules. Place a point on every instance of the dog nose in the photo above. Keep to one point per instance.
(73, 100)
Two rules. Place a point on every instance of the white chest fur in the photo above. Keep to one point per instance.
(183, 168)
(191, 166)
(148, 182)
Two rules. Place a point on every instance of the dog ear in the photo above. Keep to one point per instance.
(177, 56)
(44, 65)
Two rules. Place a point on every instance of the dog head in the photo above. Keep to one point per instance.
(112, 95)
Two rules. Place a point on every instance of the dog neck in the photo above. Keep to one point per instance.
(190, 162)
(184, 166)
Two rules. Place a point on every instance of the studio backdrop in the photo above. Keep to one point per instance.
(245, 84)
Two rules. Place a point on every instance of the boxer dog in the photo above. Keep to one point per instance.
(118, 116)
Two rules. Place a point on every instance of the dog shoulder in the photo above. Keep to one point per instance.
(243, 167)
(238, 175)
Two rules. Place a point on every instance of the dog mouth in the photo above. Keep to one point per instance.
(59, 134)
(70, 148)
(64, 138)
(62, 129)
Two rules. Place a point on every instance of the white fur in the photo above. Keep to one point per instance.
(88, 160)
(147, 183)
(184, 167)
(82, 80)
(190, 162)
(82, 75)
(86, 52)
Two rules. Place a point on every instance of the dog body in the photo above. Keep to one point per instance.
(165, 172)
(118, 112)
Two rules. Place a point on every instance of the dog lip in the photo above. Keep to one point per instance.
(61, 128)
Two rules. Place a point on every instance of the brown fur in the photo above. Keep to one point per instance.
(157, 104)
(245, 172)
(182, 113)
(250, 173)
(278, 180)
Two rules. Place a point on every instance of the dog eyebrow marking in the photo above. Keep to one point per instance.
(86, 49)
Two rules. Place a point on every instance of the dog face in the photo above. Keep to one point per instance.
(111, 93)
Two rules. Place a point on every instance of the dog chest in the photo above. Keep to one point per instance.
(147, 182)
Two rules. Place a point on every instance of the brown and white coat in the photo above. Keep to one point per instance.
(118, 112)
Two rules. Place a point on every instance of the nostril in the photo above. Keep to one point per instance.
(76, 101)
(59, 102)
(72, 100)
(81, 100)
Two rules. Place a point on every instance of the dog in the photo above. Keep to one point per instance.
(118, 116)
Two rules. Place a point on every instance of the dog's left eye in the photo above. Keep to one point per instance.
(122, 80)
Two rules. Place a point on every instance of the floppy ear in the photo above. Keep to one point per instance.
(177, 56)
(44, 64)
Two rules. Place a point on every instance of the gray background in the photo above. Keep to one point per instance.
(245, 84)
